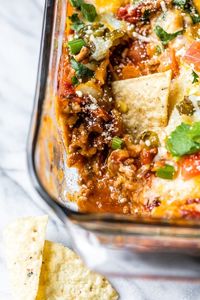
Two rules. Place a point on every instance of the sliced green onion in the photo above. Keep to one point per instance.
(76, 45)
(88, 11)
(74, 80)
(116, 143)
(166, 172)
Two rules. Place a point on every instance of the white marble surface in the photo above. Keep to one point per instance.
(20, 30)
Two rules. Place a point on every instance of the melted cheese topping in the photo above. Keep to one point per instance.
(105, 6)
(149, 105)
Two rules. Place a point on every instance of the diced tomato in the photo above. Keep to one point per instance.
(134, 13)
(137, 52)
(129, 14)
(192, 55)
(190, 166)
(147, 155)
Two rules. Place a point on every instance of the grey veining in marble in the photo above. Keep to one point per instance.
(20, 30)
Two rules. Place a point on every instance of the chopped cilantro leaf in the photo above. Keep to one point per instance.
(77, 24)
(185, 139)
(195, 77)
(194, 15)
(88, 11)
(74, 18)
(74, 80)
(81, 70)
(188, 6)
(164, 36)
(194, 132)
(180, 3)
(195, 18)
(76, 3)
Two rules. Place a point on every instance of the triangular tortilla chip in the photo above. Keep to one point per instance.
(146, 99)
(24, 240)
(65, 277)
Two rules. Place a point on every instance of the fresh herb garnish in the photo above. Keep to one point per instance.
(164, 36)
(74, 18)
(88, 11)
(180, 3)
(188, 6)
(76, 3)
(81, 70)
(185, 139)
(166, 172)
(74, 80)
(77, 24)
(195, 77)
(158, 50)
(194, 132)
(116, 143)
(76, 45)
(195, 16)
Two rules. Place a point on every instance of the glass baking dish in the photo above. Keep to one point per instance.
(110, 243)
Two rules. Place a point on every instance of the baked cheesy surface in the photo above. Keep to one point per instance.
(129, 105)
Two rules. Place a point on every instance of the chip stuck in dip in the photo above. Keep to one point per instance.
(144, 110)
(43, 270)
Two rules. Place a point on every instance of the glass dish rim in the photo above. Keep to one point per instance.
(61, 210)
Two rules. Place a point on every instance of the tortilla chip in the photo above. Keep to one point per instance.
(64, 277)
(24, 240)
(146, 100)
